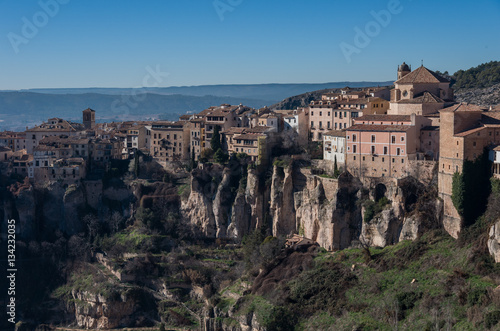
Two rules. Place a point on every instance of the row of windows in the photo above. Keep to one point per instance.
(243, 150)
(399, 151)
(335, 114)
(383, 159)
(168, 136)
(393, 138)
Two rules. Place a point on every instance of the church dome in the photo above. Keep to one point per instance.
(404, 67)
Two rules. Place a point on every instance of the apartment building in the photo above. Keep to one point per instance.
(53, 127)
(320, 118)
(14, 140)
(382, 145)
(464, 133)
(255, 142)
(170, 141)
(334, 146)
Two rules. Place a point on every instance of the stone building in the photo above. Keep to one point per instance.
(16, 141)
(255, 142)
(89, 119)
(54, 127)
(383, 145)
(170, 141)
(464, 133)
(420, 92)
(334, 146)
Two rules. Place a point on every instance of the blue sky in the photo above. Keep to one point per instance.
(111, 43)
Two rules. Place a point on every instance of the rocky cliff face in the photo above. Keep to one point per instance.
(282, 208)
(494, 241)
(327, 210)
(44, 210)
(248, 209)
(198, 209)
(223, 203)
(93, 311)
(480, 96)
(412, 210)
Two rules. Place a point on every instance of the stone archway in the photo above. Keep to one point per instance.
(380, 191)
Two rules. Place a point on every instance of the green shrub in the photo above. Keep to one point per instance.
(458, 192)
(492, 319)
(477, 296)
(279, 319)
(406, 300)
(495, 185)
(322, 288)
(372, 208)
(281, 163)
(220, 157)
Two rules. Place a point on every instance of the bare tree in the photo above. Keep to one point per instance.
(92, 224)
(115, 222)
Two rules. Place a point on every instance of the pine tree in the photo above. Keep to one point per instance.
(215, 143)
(136, 165)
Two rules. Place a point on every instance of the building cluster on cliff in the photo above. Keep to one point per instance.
(375, 132)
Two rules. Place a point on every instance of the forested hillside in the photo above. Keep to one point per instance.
(484, 75)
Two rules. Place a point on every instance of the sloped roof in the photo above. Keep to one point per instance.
(425, 97)
(491, 118)
(383, 117)
(463, 107)
(379, 128)
(422, 75)
(249, 136)
(335, 133)
(471, 131)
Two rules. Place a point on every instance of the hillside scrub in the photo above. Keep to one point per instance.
(421, 285)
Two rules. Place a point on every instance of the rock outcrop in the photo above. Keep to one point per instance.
(282, 206)
(93, 311)
(494, 241)
(332, 222)
(293, 200)
(222, 205)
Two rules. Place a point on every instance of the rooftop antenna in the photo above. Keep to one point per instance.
(422, 63)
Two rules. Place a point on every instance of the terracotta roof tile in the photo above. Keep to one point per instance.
(469, 132)
(421, 75)
(463, 107)
(380, 128)
(383, 117)
(335, 133)
(425, 97)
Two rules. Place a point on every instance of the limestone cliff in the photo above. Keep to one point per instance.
(282, 207)
(198, 209)
(293, 200)
(494, 241)
(94, 311)
(328, 216)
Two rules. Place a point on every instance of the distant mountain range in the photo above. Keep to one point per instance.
(26, 108)
(268, 92)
